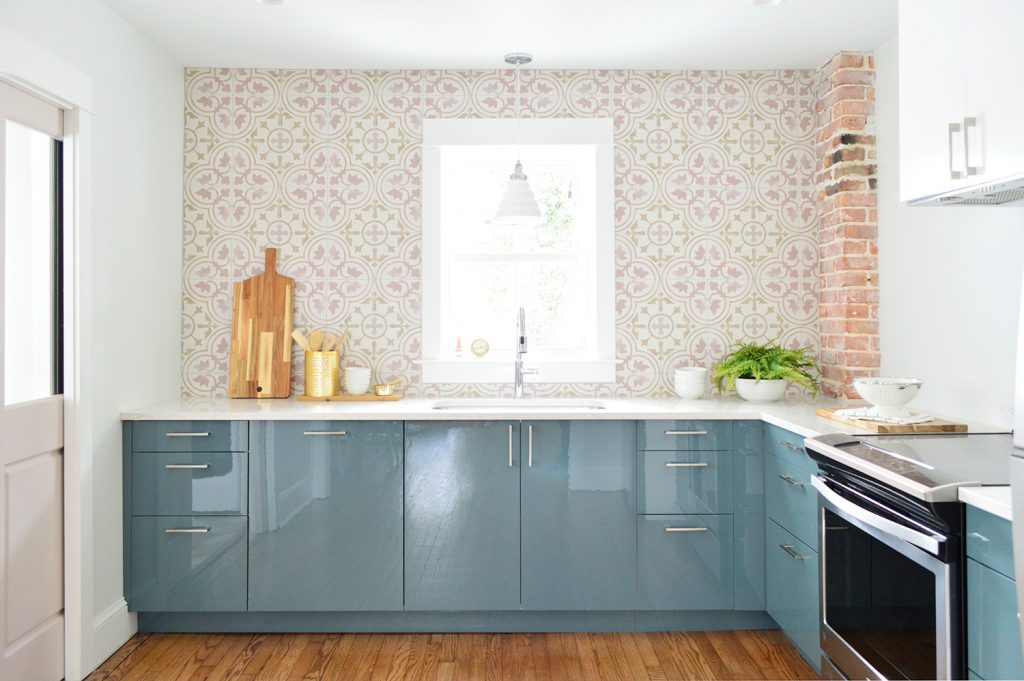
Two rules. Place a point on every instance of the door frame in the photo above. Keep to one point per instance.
(25, 65)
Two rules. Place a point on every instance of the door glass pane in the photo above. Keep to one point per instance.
(29, 270)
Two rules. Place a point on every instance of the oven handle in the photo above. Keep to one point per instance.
(929, 543)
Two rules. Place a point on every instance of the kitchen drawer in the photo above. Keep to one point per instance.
(993, 638)
(313, 437)
(189, 483)
(790, 500)
(190, 436)
(788, 446)
(685, 482)
(188, 564)
(793, 591)
(990, 540)
(684, 435)
(685, 562)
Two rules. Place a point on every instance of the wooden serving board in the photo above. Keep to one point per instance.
(933, 426)
(261, 329)
(368, 397)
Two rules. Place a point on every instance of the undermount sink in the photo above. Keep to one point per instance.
(552, 403)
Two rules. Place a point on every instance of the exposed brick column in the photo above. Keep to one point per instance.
(848, 221)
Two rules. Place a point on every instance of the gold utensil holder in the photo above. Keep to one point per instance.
(322, 373)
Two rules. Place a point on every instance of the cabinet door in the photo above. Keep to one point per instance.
(462, 516)
(579, 515)
(793, 592)
(993, 635)
(932, 94)
(685, 562)
(325, 527)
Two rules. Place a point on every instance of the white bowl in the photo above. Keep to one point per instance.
(887, 395)
(691, 382)
(766, 390)
(357, 380)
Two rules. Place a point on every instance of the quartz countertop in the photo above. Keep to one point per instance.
(995, 499)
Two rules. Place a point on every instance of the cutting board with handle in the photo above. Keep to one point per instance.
(261, 330)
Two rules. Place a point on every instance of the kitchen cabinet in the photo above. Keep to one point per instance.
(686, 482)
(325, 523)
(793, 590)
(462, 515)
(685, 562)
(578, 515)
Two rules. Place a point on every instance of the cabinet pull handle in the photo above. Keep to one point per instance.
(979, 537)
(187, 530)
(680, 464)
(339, 433)
(954, 128)
(529, 446)
(510, 446)
(686, 432)
(187, 434)
(791, 480)
(686, 529)
(791, 446)
(792, 552)
(970, 122)
(186, 466)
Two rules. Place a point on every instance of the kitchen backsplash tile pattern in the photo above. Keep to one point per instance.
(716, 222)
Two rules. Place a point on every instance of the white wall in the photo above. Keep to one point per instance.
(135, 267)
(950, 283)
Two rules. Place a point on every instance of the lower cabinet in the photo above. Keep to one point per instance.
(325, 516)
(685, 562)
(793, 588)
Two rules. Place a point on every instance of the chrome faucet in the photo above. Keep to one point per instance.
(520, 351)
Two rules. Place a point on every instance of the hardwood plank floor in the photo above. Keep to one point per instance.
(456, 657)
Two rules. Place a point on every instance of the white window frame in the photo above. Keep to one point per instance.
(595, 132)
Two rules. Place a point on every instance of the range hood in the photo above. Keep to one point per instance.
(1006, 192)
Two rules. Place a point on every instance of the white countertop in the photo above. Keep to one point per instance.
(994, 499)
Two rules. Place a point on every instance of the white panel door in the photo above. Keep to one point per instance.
(31, 405)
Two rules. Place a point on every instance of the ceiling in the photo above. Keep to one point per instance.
(397, 34)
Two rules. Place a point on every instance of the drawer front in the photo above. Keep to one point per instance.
(685, 482)
(188, 564)
(189, 483)
(792, 581)
(685, 562)
(335, 436)
(993, 638)
(990, 540)
(787, 446)
(790, 500)
(190, 436)
(684, 435)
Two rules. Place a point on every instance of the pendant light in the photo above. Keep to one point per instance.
(518, 205)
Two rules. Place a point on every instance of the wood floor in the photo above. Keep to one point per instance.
(530, 657)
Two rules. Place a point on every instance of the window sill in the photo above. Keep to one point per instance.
(475, 370)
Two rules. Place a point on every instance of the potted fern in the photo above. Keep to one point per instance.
(760, 373)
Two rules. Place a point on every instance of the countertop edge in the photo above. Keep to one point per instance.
(995, 499)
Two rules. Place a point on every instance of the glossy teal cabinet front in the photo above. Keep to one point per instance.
(685, 482)
(462, 515)
(685, 562)
(188, 564)
(684, 435)
(190, 436)
(790, 500)
(993, 635)
(793, 591)
(787, 446)
(748, 514)
(189, 483)
(578, 515)
(990, 540)
(325, 517)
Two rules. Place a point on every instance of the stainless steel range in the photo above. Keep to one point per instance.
(892, 550)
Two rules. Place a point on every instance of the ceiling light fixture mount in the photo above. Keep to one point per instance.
(518, 204)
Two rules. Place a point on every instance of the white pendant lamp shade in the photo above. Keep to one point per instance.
(518, 204)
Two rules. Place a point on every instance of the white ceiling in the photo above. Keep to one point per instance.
(395, 34)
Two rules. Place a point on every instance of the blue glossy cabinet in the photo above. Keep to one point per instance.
(189, 483)
(685, 562)
(685, 482)
(325, 517)
(578, 515)
(190, 436)
(462, 515)
(793, 588)
(748, 515)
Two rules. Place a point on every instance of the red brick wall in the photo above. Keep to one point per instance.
(847, 209)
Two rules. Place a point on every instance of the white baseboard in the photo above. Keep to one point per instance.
(110, 630)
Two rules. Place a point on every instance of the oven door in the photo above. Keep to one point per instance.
(890, 606)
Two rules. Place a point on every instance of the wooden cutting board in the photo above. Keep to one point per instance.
(261, 329)
(933, 426)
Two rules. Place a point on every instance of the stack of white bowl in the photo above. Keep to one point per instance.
(691, 383)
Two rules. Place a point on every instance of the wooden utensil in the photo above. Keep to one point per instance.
(316, 339)
(300, 339)
(261, 326)
(329, 340)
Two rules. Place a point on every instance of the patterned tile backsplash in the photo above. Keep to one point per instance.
(716, 224)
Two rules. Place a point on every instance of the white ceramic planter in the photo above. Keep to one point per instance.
(753, 390)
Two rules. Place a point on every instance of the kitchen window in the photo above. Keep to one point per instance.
(477, 273)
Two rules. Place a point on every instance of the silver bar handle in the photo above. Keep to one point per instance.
(510, 464)
(954, 128)
(686, 529)
(790, 445)
(792, 552)
(791, 480)
(339, 433)
(969, 122)
(187, 530)
(686, 432)
(187, 434)
(186, 466)
(529, 446)
(680, 464)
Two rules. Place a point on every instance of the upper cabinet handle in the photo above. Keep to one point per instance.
(325, 432)
(510, 464)
(188, 435)
(970, 122)
(686, 432)
(954, 128)
(529, 446)
(188, 466)
(680, 464)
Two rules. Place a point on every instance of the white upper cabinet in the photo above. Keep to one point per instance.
(960, 109)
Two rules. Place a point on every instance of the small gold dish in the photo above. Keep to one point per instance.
(386, 389)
